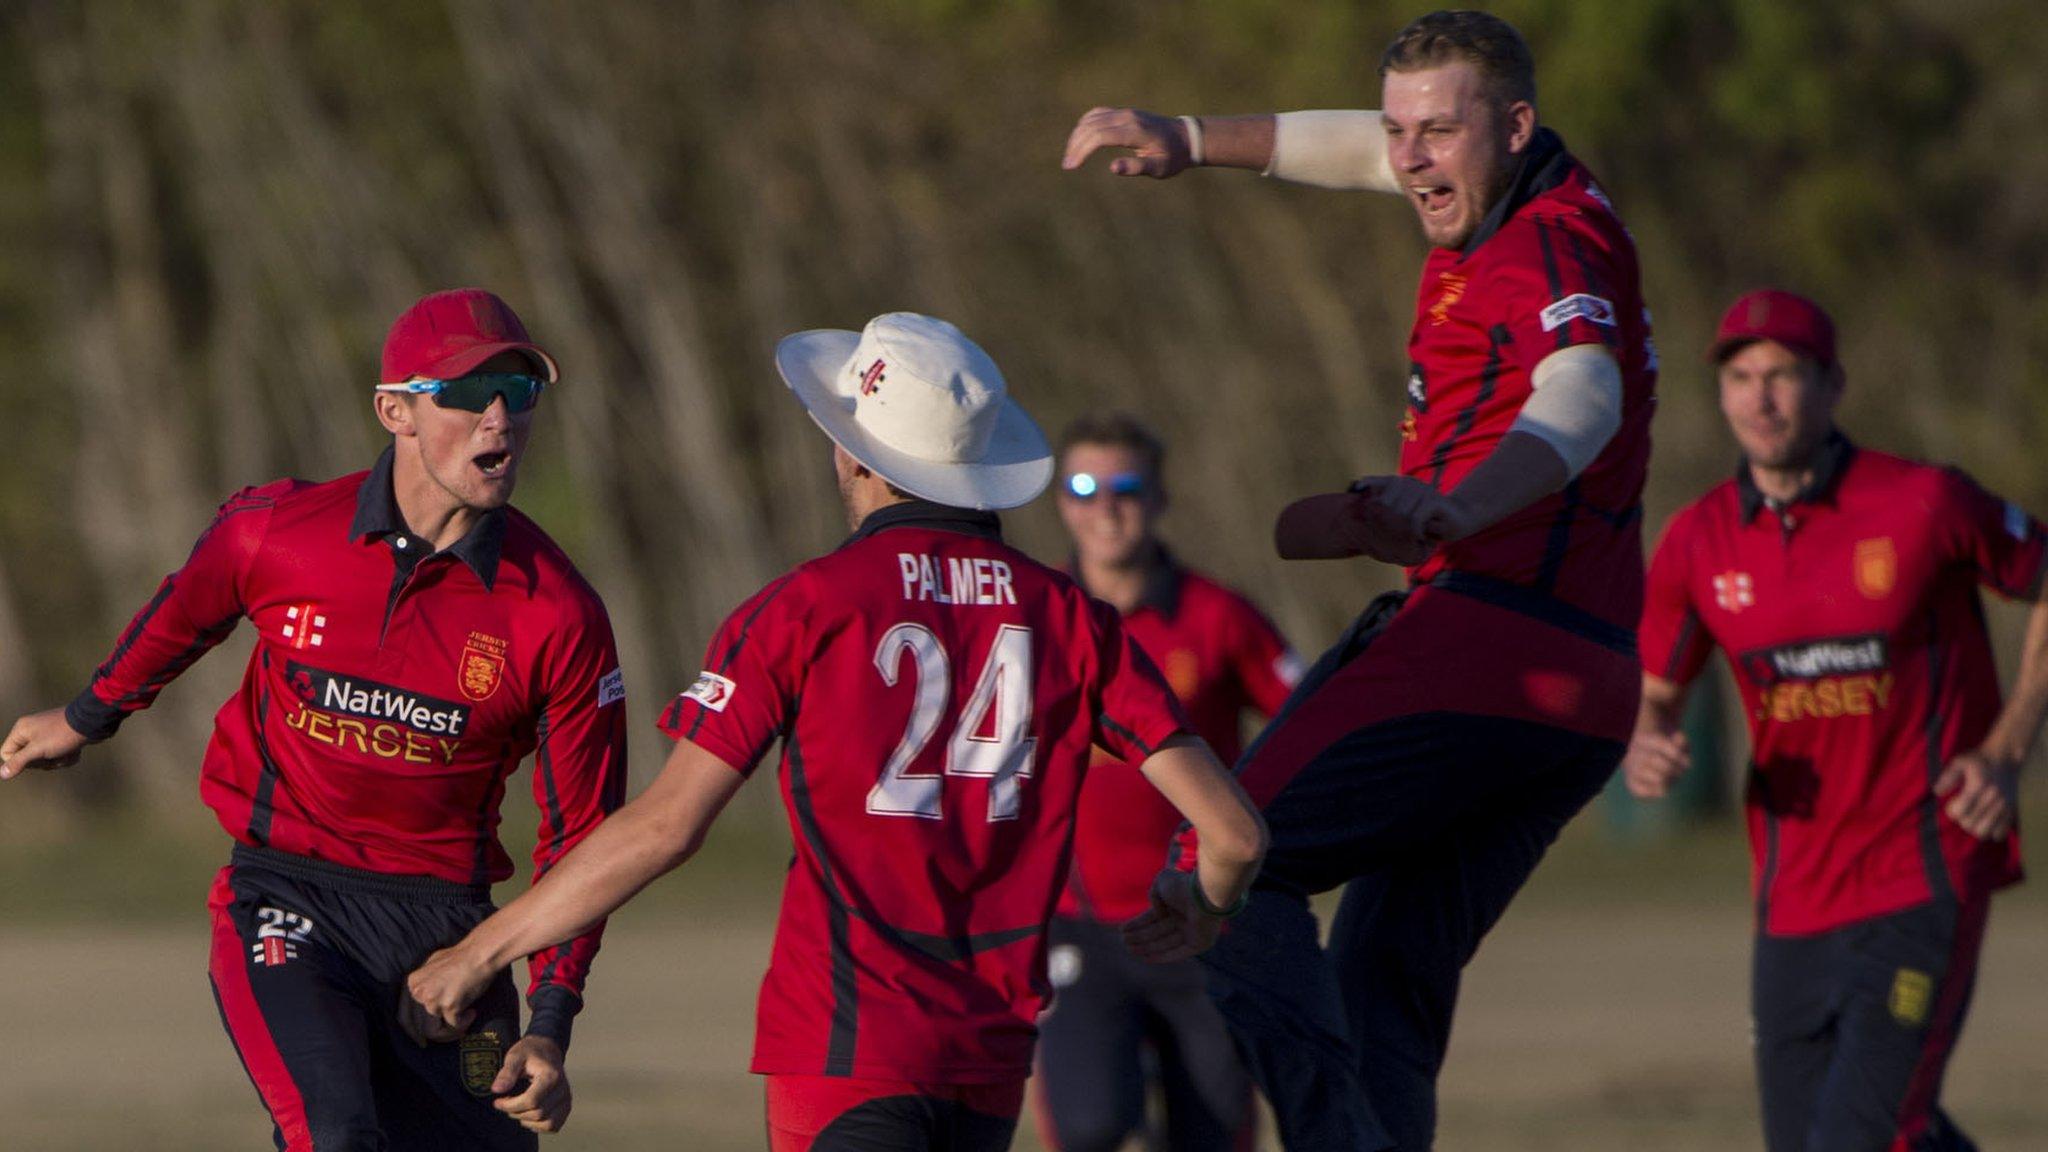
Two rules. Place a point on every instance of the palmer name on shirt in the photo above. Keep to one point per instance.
(966, 580)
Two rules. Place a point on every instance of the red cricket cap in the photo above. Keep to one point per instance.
(447, 334)
(1773, 314)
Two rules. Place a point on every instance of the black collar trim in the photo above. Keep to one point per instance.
(377, 517)
(1162, 582)
(1545, 165)
(1829, 464)
(926, 514)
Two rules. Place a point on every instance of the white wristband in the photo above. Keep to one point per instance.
(1194, 130)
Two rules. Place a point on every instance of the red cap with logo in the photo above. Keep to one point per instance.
(447, 334)
(1773, 314)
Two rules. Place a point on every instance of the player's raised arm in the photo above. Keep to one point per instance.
(1326, 148)
(659, 830)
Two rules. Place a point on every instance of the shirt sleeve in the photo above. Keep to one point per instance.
(579, 778)
(1559, 293)
(194, 609)
(1994, 536)
(1264, 663)
(746, 695)
(1135, 711)
(1673, 644)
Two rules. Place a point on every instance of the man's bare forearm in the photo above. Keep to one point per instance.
(2019, 722)
(1237, 141)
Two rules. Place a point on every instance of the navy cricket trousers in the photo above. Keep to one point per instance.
(307, 965)
(1854, 1028)
(1431, 822)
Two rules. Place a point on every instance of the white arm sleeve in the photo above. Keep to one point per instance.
(1575, 405)
(1332, 149)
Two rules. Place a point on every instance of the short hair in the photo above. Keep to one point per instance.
(1482, 38)
(1117, 430)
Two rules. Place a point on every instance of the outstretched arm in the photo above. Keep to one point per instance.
(1332, 148)
(655, 833)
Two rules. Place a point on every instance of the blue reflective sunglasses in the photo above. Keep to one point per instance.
(1087, 485)
(474, 392)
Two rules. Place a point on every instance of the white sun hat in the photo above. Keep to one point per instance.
(922, 406)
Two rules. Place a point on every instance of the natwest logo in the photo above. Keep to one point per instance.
(369, 700)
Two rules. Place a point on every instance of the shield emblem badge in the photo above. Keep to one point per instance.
(1877, 567)
(482, 666)
(1912, 995)
(481, 1055)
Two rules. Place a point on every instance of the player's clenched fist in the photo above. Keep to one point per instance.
(533, 1070)
(436, 1003)
(1654, 762)
(1158, 144)
(42, 740)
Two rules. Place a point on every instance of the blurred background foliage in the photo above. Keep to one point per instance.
(211, 210)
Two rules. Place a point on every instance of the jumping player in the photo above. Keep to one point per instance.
(936, 693)
(1220, 656)
(1842, 583)
(1430, 758)
(416, 639)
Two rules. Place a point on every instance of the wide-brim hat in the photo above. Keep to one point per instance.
(922, 406)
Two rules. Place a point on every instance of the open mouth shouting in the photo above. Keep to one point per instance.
(1434, 201)
(495, 464)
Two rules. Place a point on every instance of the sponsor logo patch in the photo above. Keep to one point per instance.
(1912, 997)
(482, 1054)
(1579, 306)
(278, 936)
(1734, 591)
(2016, 525)
(1418, 388)
(711, 690)
(482, 666)
(1817, 658)
(303, 625)
(1289, 668)
(1877, 567)
(612, 688)
(342, 695)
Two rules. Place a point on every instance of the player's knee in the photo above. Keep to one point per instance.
(1093, 1125)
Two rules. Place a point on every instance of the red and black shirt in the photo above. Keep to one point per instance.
(1221, 656)
(1852, 622)
(392, 689)
(936, 693)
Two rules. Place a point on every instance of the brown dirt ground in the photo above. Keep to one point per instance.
(1581, 1028)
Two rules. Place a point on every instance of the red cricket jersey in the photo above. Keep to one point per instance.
(1220, 655)
(1551, 267)
(390, 694)
(937, 693)
(1852, 621)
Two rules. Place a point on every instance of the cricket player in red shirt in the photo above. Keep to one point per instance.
(936, 693)
(1221, 656)
(1842, 584)
(1430, 758)
(416, 639)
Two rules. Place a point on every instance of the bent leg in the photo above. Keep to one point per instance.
(1092, 1089)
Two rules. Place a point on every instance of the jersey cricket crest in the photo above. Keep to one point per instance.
(482, 666)
(304, 629)
(482, 1054)
(1877, 567)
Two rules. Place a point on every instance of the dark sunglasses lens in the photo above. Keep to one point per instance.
(1127, 484)
(474, 393)
(1087, 486)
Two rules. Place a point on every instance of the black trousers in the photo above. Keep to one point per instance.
(1430, 822)
(1854, 1029)
(1111, 1007)
(308, 962)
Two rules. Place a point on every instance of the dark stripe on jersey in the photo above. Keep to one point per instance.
(1496, 339)
(177, 664)
(1556, 281)
(1591, 283)
(480, 864)
(615, 788)
(136, 628)
(839, 1047)
(266, 779)
(1560, 539)
(732, 653)
(1688, 626)
(1930, 805)
(1126, 733)
(553, 822)
(1541, 606)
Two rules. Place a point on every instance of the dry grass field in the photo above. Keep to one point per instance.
(1607, 1012)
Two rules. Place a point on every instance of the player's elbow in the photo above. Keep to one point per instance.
(1241, 838)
